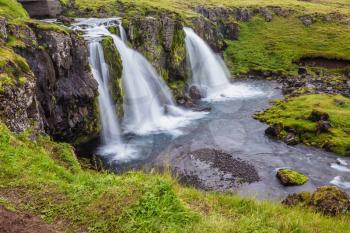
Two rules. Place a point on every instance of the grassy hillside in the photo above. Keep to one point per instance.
(275, 46)
(45, 178)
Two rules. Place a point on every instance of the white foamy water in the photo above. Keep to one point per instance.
(340, 182)
(342, 162)
(210, 73)
(340, 167)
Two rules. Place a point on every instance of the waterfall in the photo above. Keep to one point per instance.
(112, 143)
(108, 117)
(209, 72)
(122, 32)
(148, 103)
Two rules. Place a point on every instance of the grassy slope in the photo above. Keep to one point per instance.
(273, 46)
(294, 113)
(11, 9)
(46, 179)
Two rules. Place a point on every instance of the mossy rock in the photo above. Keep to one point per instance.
(295, 199)
(330, 200)
(290, 177)
(115, 65)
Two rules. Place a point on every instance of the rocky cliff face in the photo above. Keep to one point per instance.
(60, 92)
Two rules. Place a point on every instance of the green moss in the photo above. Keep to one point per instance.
(291, 177)
(14, 68)
(49, 182)
(295, 112)
(114, 62)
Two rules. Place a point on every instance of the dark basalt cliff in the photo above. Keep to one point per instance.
(59, 93)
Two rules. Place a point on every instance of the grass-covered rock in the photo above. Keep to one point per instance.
(330, 200)
(289, 177)
(45, 179)
(298, 115)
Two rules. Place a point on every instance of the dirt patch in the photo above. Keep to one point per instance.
(12, 222)
(324, 62)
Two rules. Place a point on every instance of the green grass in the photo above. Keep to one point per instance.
(45, 178)
(270, 46)
(11, 9)
(294, 113)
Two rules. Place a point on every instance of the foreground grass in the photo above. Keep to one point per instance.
(294, 113)
(45, 178)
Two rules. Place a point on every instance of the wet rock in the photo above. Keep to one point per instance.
(195, 93)
(307, 20)
(291, 139)
(65, 20)
(323, 127)
(330, 200)
(302, 198)
(274, 131)
(318, 116)
(290, 177)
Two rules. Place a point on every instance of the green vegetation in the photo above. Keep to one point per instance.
(44, 178)
(11, 9)
(295, 114)
(291, 177)
(14, 68)
(268, 46)
(114, 63)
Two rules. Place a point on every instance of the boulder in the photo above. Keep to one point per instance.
(291, 139)
(317, 115)
(290, 177)
(274, 130)
(330, 200)
(266, 13)
(195, 93)
(302, 198)
(307, 20)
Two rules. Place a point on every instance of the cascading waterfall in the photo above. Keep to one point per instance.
(112, 144)
(108, 117)
(209, 72)
(148, 102)
(122, 32)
